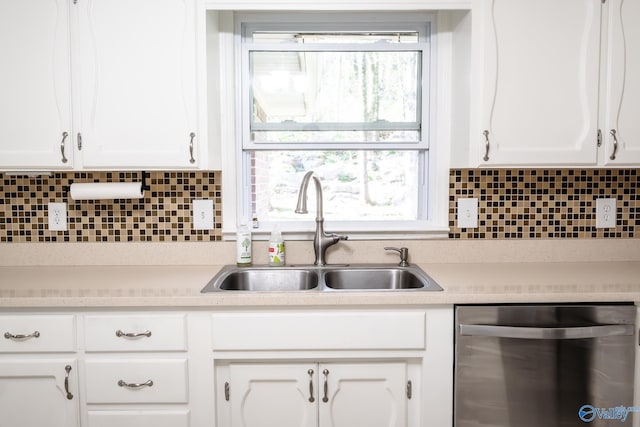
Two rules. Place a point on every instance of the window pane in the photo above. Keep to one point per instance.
(302, 96)
(357, 185)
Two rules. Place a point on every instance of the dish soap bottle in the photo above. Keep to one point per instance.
(276, 248)
(243, 246)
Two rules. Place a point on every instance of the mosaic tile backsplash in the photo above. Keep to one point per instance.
(164, 214)
(513, 204)
(545, 203)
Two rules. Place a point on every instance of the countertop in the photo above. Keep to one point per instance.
(179, 286)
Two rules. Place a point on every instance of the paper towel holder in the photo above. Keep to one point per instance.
(145, 186)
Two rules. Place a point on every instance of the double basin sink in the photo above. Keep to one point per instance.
(368, 277)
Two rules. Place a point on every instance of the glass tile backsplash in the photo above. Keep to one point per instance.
(513, 204)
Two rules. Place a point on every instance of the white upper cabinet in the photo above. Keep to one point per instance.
(101, 84)
(621, 132)
(540, 88)
(35, 85)
(138, 83)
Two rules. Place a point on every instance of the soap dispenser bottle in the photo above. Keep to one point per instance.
(276, 248)
(243, 246)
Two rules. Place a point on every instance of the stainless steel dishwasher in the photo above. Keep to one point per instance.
(544, 365)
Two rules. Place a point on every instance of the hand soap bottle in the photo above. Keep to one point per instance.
(243, 246)
(276, 248)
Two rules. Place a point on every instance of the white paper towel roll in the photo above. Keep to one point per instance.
(106, 190)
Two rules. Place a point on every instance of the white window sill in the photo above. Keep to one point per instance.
(305, 231)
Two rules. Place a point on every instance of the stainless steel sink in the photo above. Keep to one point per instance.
(379, 278)
(371, 277)
(261, 279)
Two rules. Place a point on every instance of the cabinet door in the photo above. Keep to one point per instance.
(636, 398)
(541, 81)
(35, 85)
(363, 395)
(33, 393)
(137, 71)
(273, 395)
(623, 89)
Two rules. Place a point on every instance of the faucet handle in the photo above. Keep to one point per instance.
(404, 254)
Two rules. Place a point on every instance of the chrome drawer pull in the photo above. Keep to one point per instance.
(135, 385)
(325, 399)
(311, 398)
(64, 138)
(615, 144)
(487, 145)
(66, 382)
(10, 336)
(192, 135)
(119, 333)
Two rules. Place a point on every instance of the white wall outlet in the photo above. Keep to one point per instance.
(606, 213)
(202, 214)
(468, 213)
(57, 213)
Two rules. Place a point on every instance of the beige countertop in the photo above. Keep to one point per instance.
(179, 286)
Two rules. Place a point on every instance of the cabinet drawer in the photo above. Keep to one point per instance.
(168, 378)
(51, 333)
(136, 333)
(138, 418)
(319, 331)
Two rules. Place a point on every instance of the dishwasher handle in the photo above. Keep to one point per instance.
(532, 333)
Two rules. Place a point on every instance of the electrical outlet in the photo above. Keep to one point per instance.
(57, 213)
(606, 213)
(468, 213)
(202, 214)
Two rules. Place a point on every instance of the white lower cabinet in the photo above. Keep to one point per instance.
(636, 399)
(37, 393)
(317, 394)
(127, 418)
(334, 368)
(352, 367)
(136, 381)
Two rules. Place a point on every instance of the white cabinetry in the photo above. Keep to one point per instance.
(38, 393)
(38, 387)
(636, 398)
(135, 92)
(137, 83)
(332, 368)
(560, 83)
(623, 84)
(325, 394)
(35, 85)
(541, 62)
(136, 360)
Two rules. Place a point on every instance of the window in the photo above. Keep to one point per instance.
(347, 96)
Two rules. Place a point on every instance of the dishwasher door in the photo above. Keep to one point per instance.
(543, 365)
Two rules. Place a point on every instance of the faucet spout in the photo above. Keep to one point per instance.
(321, 240)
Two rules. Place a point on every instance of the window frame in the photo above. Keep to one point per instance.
(435, 160)
(346, 23)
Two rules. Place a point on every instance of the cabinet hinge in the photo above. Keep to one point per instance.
(409, 389)
(226, 391)
(599, 138)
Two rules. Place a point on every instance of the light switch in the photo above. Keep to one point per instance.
(468, 213)
(202, 214)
